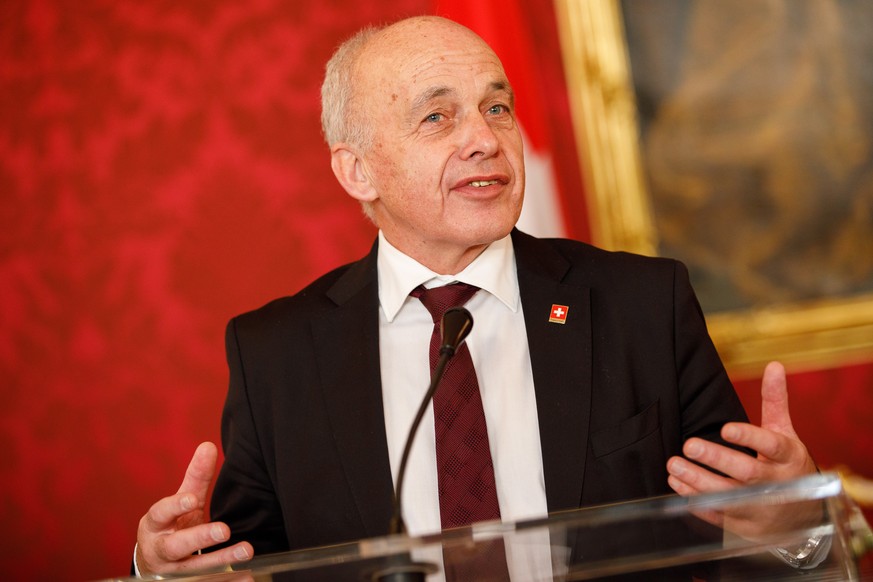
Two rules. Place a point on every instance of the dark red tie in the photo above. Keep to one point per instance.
(465, 472)
(464, 467)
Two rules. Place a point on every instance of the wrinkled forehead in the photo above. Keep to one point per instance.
(415, 53)
(424, 33)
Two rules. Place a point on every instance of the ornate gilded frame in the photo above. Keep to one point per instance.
(818, 334)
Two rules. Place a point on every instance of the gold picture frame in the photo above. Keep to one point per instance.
(821, 333)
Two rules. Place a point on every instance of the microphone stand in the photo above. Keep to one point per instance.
(456, 326)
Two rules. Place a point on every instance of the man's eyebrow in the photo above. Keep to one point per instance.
(437, 91)
(429, 95)
(504, 87)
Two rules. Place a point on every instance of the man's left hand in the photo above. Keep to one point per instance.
(780, 453)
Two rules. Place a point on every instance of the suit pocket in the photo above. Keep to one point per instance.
(627, 432)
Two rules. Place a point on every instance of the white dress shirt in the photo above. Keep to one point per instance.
(499, 349)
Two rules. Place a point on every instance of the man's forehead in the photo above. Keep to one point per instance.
(429, 29)
(414, 62)
(418, 44)
(435, 71)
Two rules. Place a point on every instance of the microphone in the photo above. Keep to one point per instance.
(454, 329)
(456, 326)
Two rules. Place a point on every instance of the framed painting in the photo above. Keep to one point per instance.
(738, 138)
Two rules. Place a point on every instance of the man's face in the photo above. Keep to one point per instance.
(446, 162)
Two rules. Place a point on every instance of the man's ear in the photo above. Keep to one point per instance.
(350, 171)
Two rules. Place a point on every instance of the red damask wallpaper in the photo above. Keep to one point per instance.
(161, 169)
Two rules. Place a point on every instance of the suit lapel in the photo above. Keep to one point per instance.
(347, 348)
(561, 361)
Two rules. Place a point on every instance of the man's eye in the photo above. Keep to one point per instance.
(433, 117)
(498, 109)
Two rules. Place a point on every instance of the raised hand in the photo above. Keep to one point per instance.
(177, 527)
(780, 456)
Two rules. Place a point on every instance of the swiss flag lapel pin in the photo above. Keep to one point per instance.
(558, 314)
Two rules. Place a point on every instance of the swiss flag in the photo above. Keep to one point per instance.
(502, 25)
(558, 314)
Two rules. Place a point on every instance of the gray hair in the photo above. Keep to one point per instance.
(339, 119)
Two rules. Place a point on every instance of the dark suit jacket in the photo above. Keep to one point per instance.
(619, 387)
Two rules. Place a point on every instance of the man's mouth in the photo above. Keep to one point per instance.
(483, 183)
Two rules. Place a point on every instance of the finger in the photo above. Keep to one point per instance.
(774, 400)
(234, 554)
(240, 552)
(733, 463)
(681, 487)
(191, 495)
(163, 514)
(694, 478)
(200, 470)
(769, 444)
(185, 542)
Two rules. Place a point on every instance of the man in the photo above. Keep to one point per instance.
(420, 119)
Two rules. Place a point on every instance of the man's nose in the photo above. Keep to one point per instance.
(478, 137)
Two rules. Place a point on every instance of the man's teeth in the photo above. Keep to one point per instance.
(482, 183)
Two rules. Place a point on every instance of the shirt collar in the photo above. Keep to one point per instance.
(492, 271)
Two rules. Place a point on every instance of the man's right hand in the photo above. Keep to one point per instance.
(177, 527)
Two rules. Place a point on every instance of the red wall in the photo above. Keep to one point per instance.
(161, 169)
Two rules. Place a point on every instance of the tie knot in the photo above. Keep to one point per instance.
(440, 299)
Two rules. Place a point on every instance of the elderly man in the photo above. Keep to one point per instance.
(593, 370)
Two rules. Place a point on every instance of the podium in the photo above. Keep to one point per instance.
(706, 537)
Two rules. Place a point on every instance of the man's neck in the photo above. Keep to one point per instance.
(443, 260)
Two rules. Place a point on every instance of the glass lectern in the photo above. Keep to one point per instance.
(813, 531)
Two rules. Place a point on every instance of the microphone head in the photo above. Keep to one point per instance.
(456, 325)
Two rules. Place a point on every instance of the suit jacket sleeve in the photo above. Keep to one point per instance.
(244, 495)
